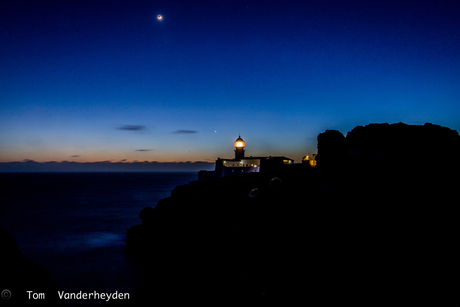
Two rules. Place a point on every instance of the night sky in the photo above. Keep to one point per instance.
(95, 80)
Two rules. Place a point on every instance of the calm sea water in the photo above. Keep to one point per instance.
(74, 224)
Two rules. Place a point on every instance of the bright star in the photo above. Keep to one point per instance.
(160, 17)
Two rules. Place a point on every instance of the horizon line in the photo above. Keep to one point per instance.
(105, 161)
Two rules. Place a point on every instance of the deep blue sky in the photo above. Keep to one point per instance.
(105, 80)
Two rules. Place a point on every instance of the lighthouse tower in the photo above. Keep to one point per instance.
(239, 148)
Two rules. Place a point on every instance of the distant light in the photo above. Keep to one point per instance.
(159, 17)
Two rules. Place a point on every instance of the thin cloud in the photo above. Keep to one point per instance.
(75, 156)
(144, 149)
(131, 127)
(185, 131)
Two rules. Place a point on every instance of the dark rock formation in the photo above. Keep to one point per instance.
(375, 222)
(393, 190)
(391, 164)
(19, 275)
(139, 237)
(219, 243)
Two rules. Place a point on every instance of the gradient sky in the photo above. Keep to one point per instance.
(105, 80)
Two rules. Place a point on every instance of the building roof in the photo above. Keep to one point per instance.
(260, 158)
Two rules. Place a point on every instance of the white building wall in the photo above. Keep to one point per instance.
(242, 163)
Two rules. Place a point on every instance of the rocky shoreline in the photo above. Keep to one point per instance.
(375, 222)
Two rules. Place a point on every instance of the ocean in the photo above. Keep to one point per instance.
(74, 224)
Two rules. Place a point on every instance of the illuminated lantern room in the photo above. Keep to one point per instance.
(239, 148)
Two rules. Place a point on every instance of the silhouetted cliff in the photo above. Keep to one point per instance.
(376, 221)
(398, 164)
(394, 193)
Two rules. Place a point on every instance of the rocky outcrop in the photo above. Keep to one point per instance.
(393, 190)
(375, 222)
(389, 164)
(19, 275)
(232, 240)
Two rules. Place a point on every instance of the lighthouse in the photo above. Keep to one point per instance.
(239, 148)
(241, 164)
